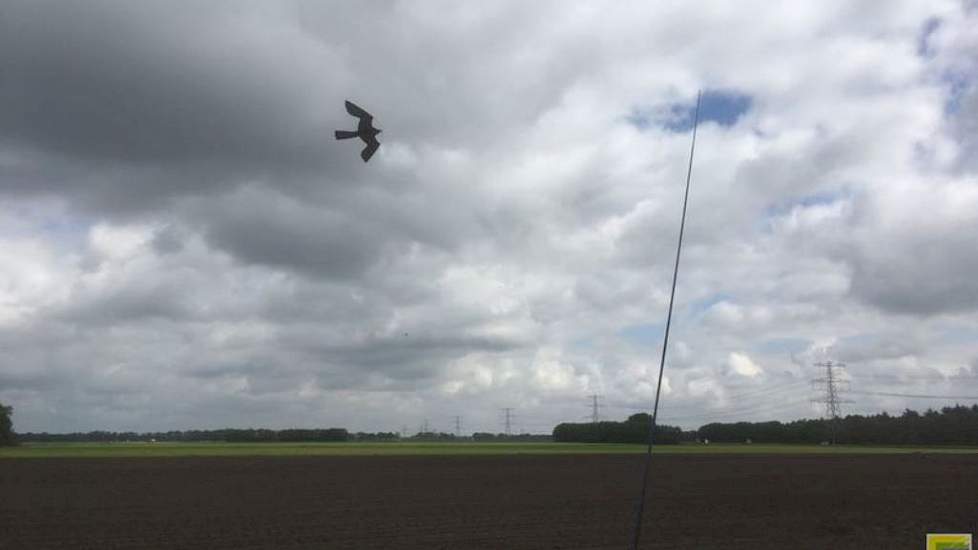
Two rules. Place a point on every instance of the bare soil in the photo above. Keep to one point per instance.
(491, 502)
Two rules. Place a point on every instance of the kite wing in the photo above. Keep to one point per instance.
(369, 150)
(356, 111)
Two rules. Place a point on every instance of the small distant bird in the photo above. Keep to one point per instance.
(365, 131)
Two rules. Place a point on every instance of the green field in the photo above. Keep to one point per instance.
(110, 450)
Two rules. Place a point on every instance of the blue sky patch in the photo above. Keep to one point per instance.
(958, 334)
(699, 307)
(640, 119)
(958, 85)
(807, 201)
(923, 42)
(723, 107)
(648, 334)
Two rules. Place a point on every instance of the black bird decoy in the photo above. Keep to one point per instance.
(365, 131)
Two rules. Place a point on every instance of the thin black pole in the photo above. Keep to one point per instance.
(640, 507)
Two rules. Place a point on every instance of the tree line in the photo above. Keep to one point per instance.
(635, 429)
(229, 435)
(261, 435)
(487, 437)
(6, 426)
(957, 425)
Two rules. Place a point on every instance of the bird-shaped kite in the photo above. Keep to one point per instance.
(365, 131)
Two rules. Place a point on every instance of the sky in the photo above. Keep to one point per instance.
(183, 243)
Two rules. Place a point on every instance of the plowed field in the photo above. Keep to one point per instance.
(498, 502)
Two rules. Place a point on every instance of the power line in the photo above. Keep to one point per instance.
(934, 375)
(787, 390)
(778, 389)
(765, 390)
(458, 426)
(917, 396)
(750, 402)
(901, 377)
(745, 410)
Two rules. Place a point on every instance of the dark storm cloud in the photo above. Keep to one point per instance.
(219, 369)
(168, 241)
(335, 240)
(127, 304)
(31, 379)
(876, 346)
(124, 107)
(322, 244)
(940, 283)
(243, 85)
(394, 353)
(152, 83)
(919, 270)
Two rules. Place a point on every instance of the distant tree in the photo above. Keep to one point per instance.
(633, 430)
(957, 425)
(6, 426)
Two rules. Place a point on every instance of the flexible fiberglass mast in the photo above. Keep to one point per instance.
(640, 506)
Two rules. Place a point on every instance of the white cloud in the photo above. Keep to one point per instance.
(742, 365)
(31, 277)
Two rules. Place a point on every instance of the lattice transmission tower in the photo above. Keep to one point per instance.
(595, 408)
(830, 388)
(508, 417)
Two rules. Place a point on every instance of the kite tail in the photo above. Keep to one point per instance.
(346, 134)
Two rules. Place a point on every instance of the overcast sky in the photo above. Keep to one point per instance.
(183, 244)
